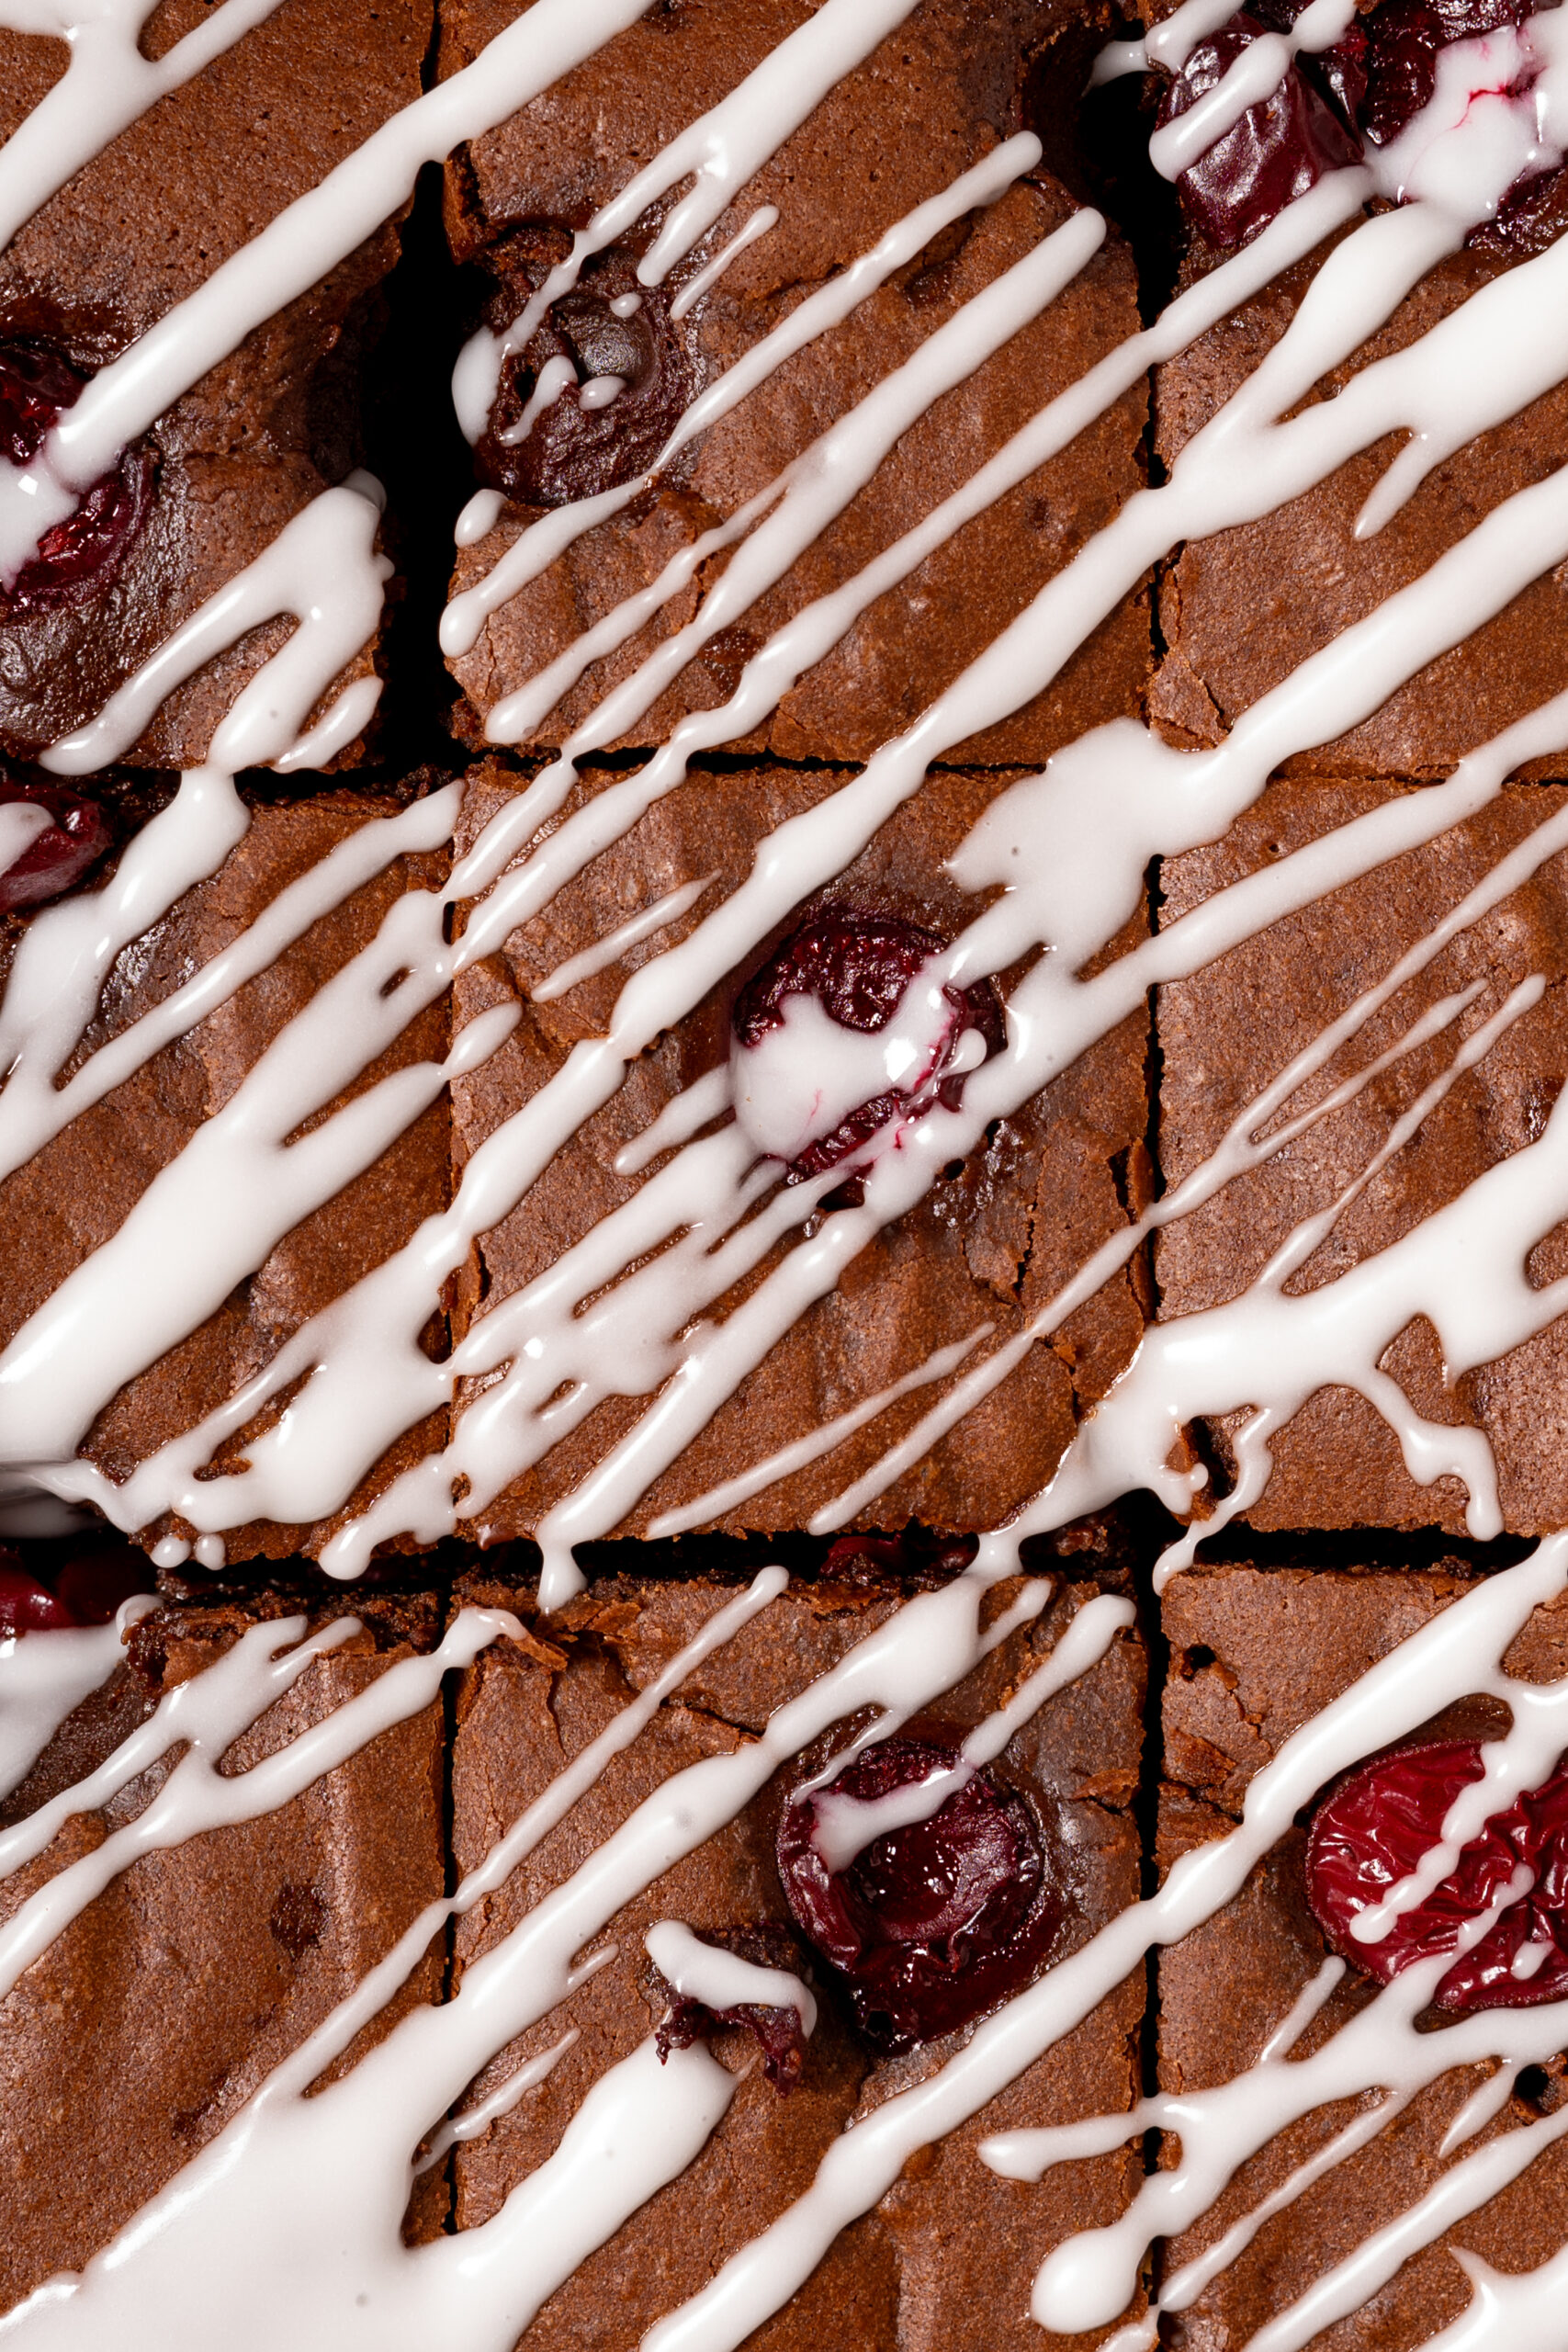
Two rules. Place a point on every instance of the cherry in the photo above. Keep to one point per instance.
(79, 558)
(27, 1606)
(57, 857)
(1372, 1831)
(1366, 89)
(932, 1924)
(779, 2034)
(1278, 150)
(573, 452)
(858, 963)
(93, 1583)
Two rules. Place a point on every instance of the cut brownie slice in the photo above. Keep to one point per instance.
(1226, 1033)
(947, 2257)
(138, 228)
(990, 1244)
(150, 2020)
(74, 1194)
(930, 102)
(1239, 611)
(1255, 1654)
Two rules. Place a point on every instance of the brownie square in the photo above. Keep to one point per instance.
(134, 232)
(991, 1242)
(76, 1194)
(1224, 1033)
(1255, 1654)
(948, 2255)
(1242, 609)
(162, 2009)
(927, 104)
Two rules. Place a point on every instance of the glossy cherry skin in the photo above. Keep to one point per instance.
(27, 1606)
(57, 857)
(858, 962)
(77, 559)
(87, 1590)
(571, 452)
(1372, 1831)
(1330, 106)
(1278, 150)
(932, 1925)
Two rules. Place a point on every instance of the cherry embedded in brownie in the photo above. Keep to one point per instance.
(951, 2244)
(1256, 1654)
(990, 1244)
(138, 228)
(934, 98)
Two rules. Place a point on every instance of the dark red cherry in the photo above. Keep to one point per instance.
(93, 1583)
(1280, 148)
(780, 2034)
(27, 1606)
(1403, 38)
(572, 452)
(1372, 1831)
(58, 856)
(858, 962)
(931, 1925)
(77, 559)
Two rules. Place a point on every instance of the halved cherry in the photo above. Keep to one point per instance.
(931, 1924)
(79, 558)
(858, 962)
(1372, 1832)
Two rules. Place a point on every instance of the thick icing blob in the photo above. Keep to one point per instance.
(80, 556)
(860, 966)
(1372, 1831)
(937, 1920)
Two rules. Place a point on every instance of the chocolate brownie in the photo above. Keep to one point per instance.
(1255, 1654)
(76, 1194)
(1239, 611)
(947, 2256)
(931, 101)
(164, 2006)
(136, 231)
(991, 1243)
(1225, 1033)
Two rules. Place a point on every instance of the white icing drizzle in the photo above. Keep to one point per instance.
(613, 945)
(324, 569)
(474, 2121)
(765, 217)
(106, 85)
(21, 822)
(842, 1826)
(238, 2240)
(721, 1979)
(820, 1441)
(43, 1679)
(718, 152)
(299, 246)
(1254, 76)
(1088, 2282)
(207, 1715)
(540, 545)
(243, 2225)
